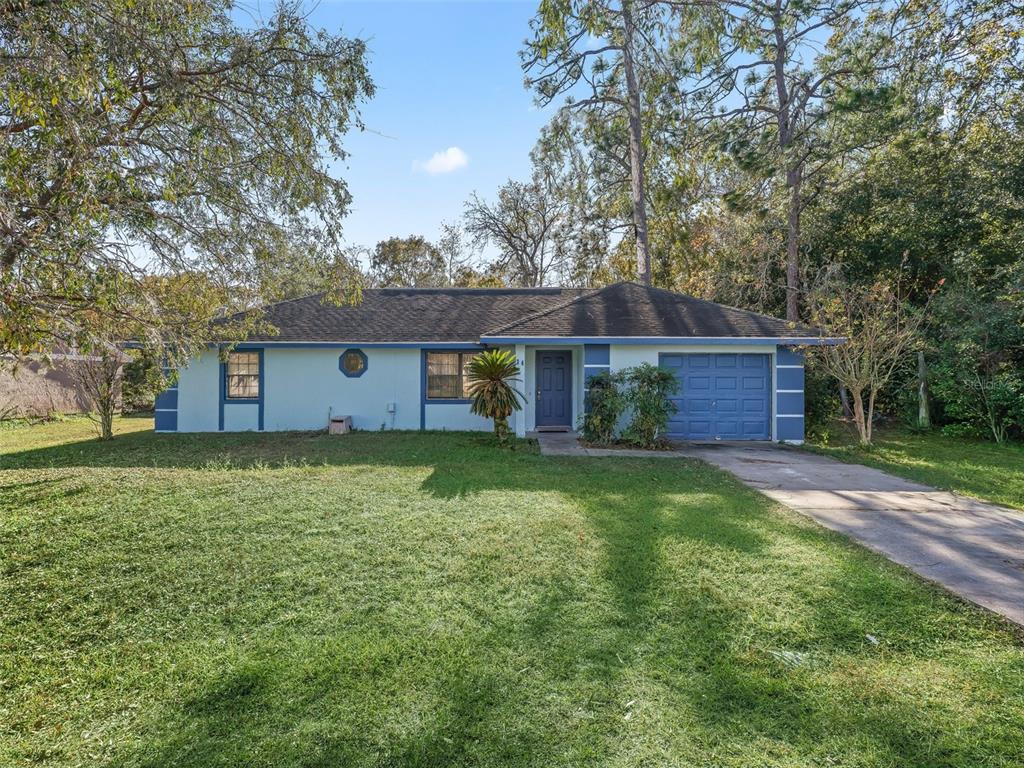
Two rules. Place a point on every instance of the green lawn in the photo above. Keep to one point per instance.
(971, 467)
(415, 599)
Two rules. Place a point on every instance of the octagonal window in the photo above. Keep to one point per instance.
(352, 362)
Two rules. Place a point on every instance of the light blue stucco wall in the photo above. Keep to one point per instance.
(455, 416)
(628, 355)
(199, 394)
(302, 386)
(305, 386)
(596, 361)
(241, 417)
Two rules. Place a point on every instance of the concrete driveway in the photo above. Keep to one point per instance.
(972, 548)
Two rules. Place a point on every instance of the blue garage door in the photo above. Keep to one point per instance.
(720, 396)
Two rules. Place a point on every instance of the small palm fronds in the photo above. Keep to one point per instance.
(491, 376)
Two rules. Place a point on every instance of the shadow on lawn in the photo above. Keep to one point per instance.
(473, 704)
(542, 688)
(545, 675)
(269, 450)
(514, 688)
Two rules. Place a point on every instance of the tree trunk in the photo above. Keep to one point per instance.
(793, 182)
(636, 150)
(106, 397)
(844, 399)
(998, 431)
(858, 417)
(501, 430)
(870, 419)
(924, 420)
(106, 423)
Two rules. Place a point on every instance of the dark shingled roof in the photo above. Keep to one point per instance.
(409, 314)
(631, 309)
(394, 315)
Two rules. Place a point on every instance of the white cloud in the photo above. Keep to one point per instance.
(447, 161)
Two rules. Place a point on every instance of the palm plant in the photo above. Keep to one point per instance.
(491, 375)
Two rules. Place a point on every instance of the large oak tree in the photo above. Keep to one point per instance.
(162, 137)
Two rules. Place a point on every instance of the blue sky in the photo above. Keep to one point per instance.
(447, 76)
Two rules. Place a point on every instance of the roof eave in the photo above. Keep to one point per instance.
(809, 341)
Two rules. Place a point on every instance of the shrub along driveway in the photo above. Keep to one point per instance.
(971, 547)
(426, 599)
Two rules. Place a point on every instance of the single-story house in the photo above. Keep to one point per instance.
(397, 361)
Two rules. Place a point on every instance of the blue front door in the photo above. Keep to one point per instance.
(723, 396)
(554, 389)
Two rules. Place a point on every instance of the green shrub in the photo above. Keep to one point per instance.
(142, 379)
(961, 430)
(605, 405)
(978, 373)
(648, 389)
(821, 397)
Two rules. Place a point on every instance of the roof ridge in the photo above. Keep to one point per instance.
(480, 289)
(534, 315)
(717, 304)
(294, 298)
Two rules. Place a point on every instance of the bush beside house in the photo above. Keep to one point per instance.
(606, 403)
(641, 395)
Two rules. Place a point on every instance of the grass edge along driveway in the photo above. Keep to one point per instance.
(978, 468)
(427, 599)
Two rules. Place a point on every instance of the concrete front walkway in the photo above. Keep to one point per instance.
(972, 548)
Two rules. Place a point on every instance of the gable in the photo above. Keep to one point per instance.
(630, 310)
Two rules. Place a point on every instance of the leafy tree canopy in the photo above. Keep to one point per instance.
(407, 261)
(163, 138)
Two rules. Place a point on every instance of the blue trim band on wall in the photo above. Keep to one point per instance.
(790, 378)
(596, 360)
(655, 340)
(596, 354)
(165, 421)
(790, 403)
(788, 428)
(787, 356)
(423, 389)
(789, 395)
(166, 400)
(220, 400)
(165, 405)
